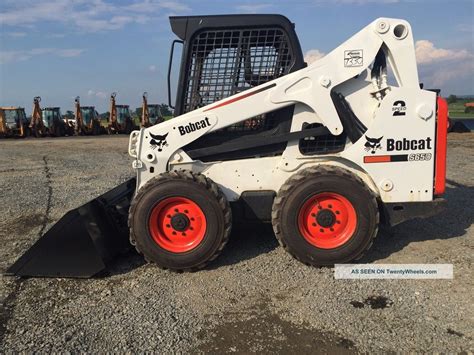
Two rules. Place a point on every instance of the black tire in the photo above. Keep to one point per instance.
(35, 132)
(59, 130)
(128, 127)
(295, 194)
(26, 131)
(95, 128)
(200, 190)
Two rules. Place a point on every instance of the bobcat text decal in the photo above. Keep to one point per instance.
(398, 145)
(191, 127)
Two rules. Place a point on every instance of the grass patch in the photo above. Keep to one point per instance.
(461, 115)
(458, 110)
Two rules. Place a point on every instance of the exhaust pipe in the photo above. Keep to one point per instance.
(83, 241)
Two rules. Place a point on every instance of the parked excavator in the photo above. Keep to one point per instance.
(56, 125)
(49, 121)
(13, 122)
(87, 119)
(120, 119)
(151, 113)
(324, 152)
(37, 126)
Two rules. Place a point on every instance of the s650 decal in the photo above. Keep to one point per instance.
(403, 144)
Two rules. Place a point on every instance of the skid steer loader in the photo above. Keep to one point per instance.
(325, 152)
(13, 122)
(87, 119)
(151, 114)
(120, 120)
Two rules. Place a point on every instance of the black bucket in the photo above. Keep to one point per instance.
(83, 241)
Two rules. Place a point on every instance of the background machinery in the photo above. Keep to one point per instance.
(13, 122)
(120, 119)
(151, 114)
(87, 119)
(37, 126)
(55, 124)
(325, 152)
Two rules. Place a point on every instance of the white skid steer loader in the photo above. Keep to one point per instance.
(325, 151)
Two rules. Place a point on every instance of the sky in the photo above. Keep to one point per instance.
(60, 49)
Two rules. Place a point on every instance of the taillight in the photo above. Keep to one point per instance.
(441, 147)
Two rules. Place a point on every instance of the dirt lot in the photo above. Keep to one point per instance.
(255, 297)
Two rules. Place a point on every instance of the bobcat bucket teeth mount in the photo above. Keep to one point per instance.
(83, 241)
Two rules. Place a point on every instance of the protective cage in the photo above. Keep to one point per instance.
(226, 55)
(225, 62)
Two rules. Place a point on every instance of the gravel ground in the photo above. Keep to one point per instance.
(255, 297)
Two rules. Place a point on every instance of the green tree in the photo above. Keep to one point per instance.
(105, 115)
(165, 110)
(138, 112)
(452, 99)
(69, 115)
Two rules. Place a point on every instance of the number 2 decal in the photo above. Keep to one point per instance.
(399, 108)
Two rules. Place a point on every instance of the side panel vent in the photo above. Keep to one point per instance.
(324, 144)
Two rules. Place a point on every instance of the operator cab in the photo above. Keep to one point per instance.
(15, 116)
(88, 114)
(51, 116)
(123, 114)
(224, 55)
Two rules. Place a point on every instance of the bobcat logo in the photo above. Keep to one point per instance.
(373, 144)
(158, 141)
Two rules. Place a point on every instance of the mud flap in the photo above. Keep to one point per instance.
(83, 241)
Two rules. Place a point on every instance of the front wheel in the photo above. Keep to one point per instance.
(325, 215)
(180, 221)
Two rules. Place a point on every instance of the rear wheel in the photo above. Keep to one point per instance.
(325, 215)
(95, 128)
(180, 221)
(36, 131)
(128, 127)
(59, 130)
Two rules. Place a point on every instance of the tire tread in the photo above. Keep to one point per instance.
(287, 188)
(203, 181)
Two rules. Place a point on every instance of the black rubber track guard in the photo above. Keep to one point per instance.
(83, 241)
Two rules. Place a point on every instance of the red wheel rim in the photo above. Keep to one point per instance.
(327, 220)
(177, 224)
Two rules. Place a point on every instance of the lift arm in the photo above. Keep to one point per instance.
(311, 86)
